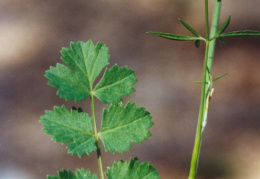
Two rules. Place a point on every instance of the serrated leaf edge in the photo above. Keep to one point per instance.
(130, 142)
(53, 138)
(132, 89)
(130, 164)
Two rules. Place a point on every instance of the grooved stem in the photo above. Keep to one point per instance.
(213, 31)
(198, 138)
(100, 165)
(208, 59)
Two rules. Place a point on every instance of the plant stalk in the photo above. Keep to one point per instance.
(213, 31)
(100, 165)
(209, 53)
(198, 138)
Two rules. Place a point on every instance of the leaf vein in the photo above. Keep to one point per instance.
(107, 86)
(78, 146)
(70, 127)
(76, 84)
(79, 67)
(114, 128)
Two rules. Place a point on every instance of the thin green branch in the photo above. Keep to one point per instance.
(209, 53)
(207, 18)
(100, 165)
(197, 144)
(213, 31)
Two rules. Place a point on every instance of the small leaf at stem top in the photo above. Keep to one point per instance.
(122, 125)
(132, 170)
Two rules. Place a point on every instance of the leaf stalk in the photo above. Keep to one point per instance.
(100, 164)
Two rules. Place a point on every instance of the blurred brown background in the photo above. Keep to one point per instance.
(32, 33)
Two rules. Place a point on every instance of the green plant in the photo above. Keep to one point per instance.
(120, 125)
(207, 82)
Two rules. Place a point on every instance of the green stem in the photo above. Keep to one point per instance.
(207, 18)
(100, 165)
(209, 53)
(213, 31)
(197, 144)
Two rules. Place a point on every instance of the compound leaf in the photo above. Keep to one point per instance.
(115, 83)
(80, 174)
(85, 62)
(122, 125)
(72, 127)
(132, 170)
(175, 36)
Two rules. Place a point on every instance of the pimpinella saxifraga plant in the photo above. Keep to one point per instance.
(120, 124)
(207, 79)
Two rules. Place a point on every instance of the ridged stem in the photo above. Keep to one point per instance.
(213, 31)
(198, 138)
(209, 53)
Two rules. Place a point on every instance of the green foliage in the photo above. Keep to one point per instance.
(222, 41)
(115, 83)
(220, 76)
(207, 83)
(122, 169)
(80, 174)
(240, 33)
(70, 126)
(132, 170)
(223, 27)
(85, 62)
(197, 43)
(198, 37)
(194, 32)
(121, 125)
(181, 37)
(175, 36)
